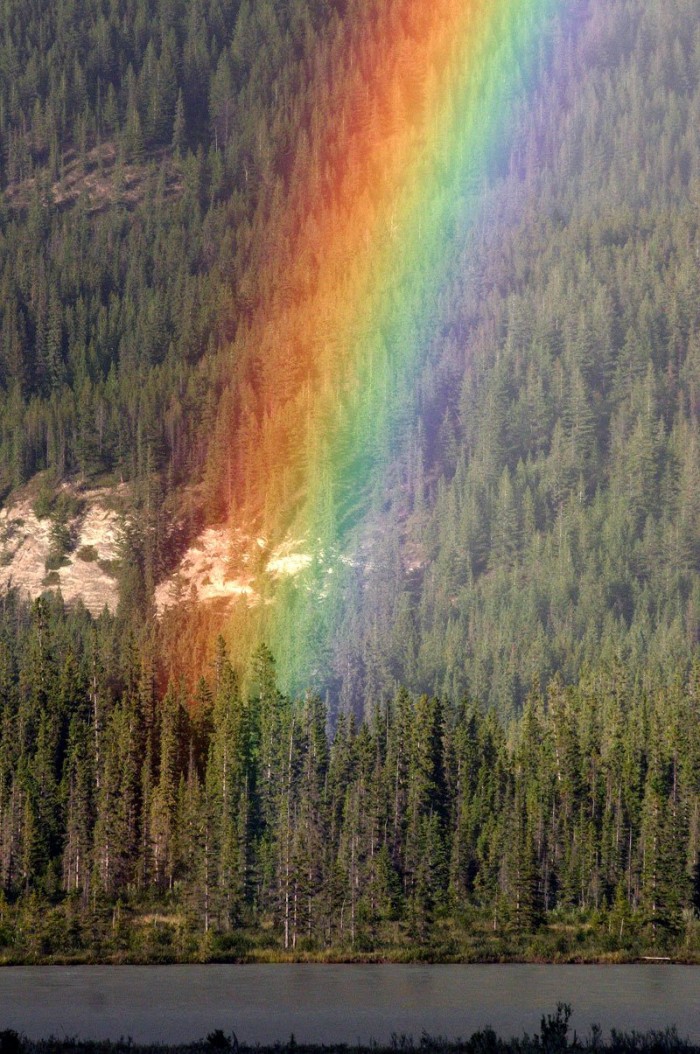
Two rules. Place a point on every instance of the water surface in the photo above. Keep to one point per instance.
(263, 1004)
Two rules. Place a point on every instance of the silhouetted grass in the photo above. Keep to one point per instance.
(554, 1037)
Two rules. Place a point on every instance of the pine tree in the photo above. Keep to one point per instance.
(179, 136)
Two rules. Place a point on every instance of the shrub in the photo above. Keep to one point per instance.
(109, 567)
(10, 1042)
(55, 560)
(43, 503)
(217, 1040)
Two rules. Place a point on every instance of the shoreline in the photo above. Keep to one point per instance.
(310, 959)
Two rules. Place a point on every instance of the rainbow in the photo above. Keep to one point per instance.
(343, 311)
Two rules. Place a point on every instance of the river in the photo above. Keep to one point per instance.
(340, 1003)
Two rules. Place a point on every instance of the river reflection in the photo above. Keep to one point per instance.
(263, 1004)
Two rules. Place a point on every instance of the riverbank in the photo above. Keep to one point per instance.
(148, 937)
(341, 957)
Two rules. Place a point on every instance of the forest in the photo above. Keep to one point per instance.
(499, 758)
(234, 826)
(541, 509)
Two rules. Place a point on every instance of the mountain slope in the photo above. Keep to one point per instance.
(552, 492)
(523, 507)
(542, 511)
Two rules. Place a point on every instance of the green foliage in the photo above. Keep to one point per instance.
(548, 488)
(119, 260)
(63, 510)
(161, 828)
(547, 478)
(546, 494)
(43, 503)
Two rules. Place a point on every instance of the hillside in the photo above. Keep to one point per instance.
(131, 191)
(537, 510)
(556, 503)
(350, 479)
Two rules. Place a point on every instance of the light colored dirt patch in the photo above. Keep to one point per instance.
(86, 579)
(25, 542)
(25, 547)
(213, 568)
(287, 559)
(232, 565)
(229, 564)
(98, 179)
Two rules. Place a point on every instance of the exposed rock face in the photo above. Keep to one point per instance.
(216, 566)
(226, 564)
(87, 567)
(222, 563)
(288, 559)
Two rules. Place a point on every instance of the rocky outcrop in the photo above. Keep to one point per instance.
(83, 569)
(230, 565)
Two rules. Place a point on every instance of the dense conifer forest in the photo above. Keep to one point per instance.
(535, 789)
(547, 497)
(232, 825)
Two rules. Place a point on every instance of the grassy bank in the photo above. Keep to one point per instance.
(143, 937)
(337, 956)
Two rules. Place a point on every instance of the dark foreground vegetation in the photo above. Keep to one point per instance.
(554, 1037)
